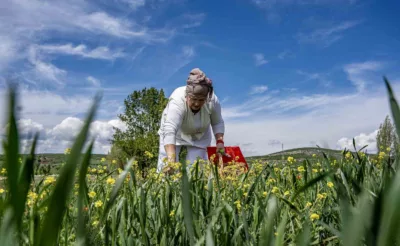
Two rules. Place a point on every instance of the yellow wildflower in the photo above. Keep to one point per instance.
(110, 181)
(172, 213)
(67, 151)
(265, 194)
(148, 154)
(315, 170)
(92, 194)
(114, 162)
(3, 171)
(330, 184)
(2, 191)
(290, 159)
(275, 190)
(286, 193)
(95, 223)
(103, 159)
(314, 216)
(308, 204)
(98, 203)
(301, 169)
(49, 180)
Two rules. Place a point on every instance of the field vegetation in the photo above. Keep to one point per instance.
(324, 199)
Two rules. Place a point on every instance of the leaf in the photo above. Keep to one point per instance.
(187, 204)
(267, 231)
(311, 183)
(81, 230)
(117, 186)
(64, 184)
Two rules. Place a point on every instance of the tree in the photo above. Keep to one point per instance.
(387, 137)
(142, 117)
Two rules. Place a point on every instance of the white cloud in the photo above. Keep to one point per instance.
(193, 20)
(360, 73)
(259, 59)
(93, 81)
(327, 36)
(258, 89)
(188, 51)
(43, 71)
(320, 77)
(361, 140)
(299, 120)
(134, 4)
(100, 52)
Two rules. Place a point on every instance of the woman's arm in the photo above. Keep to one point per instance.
(172, 122)
(217, 122)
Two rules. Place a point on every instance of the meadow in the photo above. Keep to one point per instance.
(350, 199)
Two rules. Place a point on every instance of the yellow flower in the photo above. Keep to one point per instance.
(381, 155)
(49, 180)
(308, 204)
(95, 223)
(110, 181)
(315, 170)
(98, 203)
(286, 193)
(3, 171)
(67, 151)
(103, 159)
(92, 194)
(330, 184)
(276, 169)
(265, 194)
(172, 213)
(290, 159)
(148, 154)
(114, 162)
(314, 216)
(314, 155)
(301, 169)
(2, 191)
(275, 189)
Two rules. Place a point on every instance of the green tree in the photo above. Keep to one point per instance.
(387, 137)
(142, 117)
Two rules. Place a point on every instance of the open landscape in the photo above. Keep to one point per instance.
(302, 93)
(296, 197)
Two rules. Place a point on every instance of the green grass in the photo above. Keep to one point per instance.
(353, 201)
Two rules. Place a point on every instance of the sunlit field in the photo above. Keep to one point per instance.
(323, 200)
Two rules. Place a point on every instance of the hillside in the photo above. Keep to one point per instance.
(299, 154)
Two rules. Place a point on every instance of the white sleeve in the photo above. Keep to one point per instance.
(172, 121)
(217, 122)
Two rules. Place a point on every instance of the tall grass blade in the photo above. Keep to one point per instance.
(187, 204)
(310, 183)
(64, 184)
(267, 233)
(15, 202)
(82, 197)
(117, 186)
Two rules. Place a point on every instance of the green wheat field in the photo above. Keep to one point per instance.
(346, 198)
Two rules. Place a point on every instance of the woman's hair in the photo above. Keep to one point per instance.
(198, 84)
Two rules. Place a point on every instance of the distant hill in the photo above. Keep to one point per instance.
(300, 154)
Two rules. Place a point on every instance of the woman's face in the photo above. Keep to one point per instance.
(196, 102)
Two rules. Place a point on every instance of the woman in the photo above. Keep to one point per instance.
(187, 120)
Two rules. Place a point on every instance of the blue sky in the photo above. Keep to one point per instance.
(297, 72)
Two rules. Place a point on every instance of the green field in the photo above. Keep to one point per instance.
(330, 198)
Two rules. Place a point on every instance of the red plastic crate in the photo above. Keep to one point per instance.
(233, 151)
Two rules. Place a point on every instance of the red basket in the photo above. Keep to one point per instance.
(234, 152)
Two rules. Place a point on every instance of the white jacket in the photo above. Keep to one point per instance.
(180, 126)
